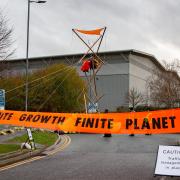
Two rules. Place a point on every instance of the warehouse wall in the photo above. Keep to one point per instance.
(114, 89)
(140, 70)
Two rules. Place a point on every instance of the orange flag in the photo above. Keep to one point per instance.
(91, 32)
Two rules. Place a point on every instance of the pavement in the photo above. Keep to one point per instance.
(93, 157)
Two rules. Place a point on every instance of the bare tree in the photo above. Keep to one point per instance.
(135, 97)
(165, 86)
(173, 66)
(5, 42)
(5, 39)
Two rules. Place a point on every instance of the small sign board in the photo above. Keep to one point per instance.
(92, 107)
(2, 99)
(168, 161)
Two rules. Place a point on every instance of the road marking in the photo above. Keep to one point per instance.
(20, 163)
(65, 144)
(67, 141)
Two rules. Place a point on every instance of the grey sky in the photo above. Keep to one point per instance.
(151, 26)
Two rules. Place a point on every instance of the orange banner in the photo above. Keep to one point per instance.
(91, 32)
(154, 122)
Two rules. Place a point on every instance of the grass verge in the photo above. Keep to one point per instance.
(6, 148)
(41, 137)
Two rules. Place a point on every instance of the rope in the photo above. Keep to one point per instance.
(38, 79)
(46, 80)
(41, 106)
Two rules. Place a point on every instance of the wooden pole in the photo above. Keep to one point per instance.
(87, 45)
(85, 103)
(89, 49)
(101, 39)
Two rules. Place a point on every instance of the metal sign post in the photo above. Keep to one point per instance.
(2, 99)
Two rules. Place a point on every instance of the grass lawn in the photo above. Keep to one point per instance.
(6, 148)
(45, 138)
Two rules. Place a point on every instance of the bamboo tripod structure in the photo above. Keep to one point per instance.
(96, 64)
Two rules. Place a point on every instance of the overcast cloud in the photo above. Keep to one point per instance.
(151, 26)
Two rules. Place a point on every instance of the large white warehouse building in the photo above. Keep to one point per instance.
(122, 71)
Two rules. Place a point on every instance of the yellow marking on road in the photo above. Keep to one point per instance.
(65, 144)
(67, 141)
(20, 163)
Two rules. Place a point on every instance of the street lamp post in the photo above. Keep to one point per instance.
(27, 51)
(27, 70)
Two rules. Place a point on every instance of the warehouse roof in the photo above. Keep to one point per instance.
(130, 51)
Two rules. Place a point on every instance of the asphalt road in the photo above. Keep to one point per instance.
(94, 157)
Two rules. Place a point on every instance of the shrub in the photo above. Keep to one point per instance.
(60, 90)
(147, 108)
(122, 109)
